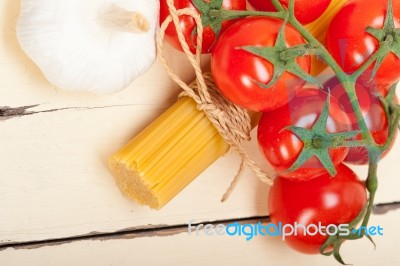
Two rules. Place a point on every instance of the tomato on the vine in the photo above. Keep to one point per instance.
(321, 201)
(281, 147)
(305, 11)
(239, 73)
(350, 44)
(373, 112)
(188, 24)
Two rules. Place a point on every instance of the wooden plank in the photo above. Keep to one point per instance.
(54, 181)
(172, 248)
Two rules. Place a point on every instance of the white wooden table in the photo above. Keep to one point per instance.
(59, 204)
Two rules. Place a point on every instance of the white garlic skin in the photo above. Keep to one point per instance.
(76, 52)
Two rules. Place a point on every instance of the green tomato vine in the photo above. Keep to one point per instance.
(317, 139)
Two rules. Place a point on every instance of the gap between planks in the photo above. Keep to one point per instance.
(7, 112)
(158, 230)
(129, 233)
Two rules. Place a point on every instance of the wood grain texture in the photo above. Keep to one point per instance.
(54, 169)
(185, 249)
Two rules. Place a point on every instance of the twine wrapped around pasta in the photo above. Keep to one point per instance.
(231, 121)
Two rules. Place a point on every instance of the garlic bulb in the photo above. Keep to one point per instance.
(89, 45)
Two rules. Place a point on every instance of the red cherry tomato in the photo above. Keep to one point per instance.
(351, 46)
(373, 112)
(306, 11)
(236, 71)
(282, 147)
(325, 200)
(188, 24)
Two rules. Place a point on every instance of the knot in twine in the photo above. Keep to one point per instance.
(231, 121)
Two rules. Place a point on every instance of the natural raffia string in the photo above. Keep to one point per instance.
(231, 121)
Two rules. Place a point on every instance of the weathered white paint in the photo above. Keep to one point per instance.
(183, 249)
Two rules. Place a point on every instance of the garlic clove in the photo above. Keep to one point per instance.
(79, 48)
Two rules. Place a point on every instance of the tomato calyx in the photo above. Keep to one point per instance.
(334, 242)
(204, 8)
(388, 37)
(317, 141)
(283, 58)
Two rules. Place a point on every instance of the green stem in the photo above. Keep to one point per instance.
(299, 51)
(355, 143)
(234, 14)
(372, 186)
(278, 5)
(351, 92)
